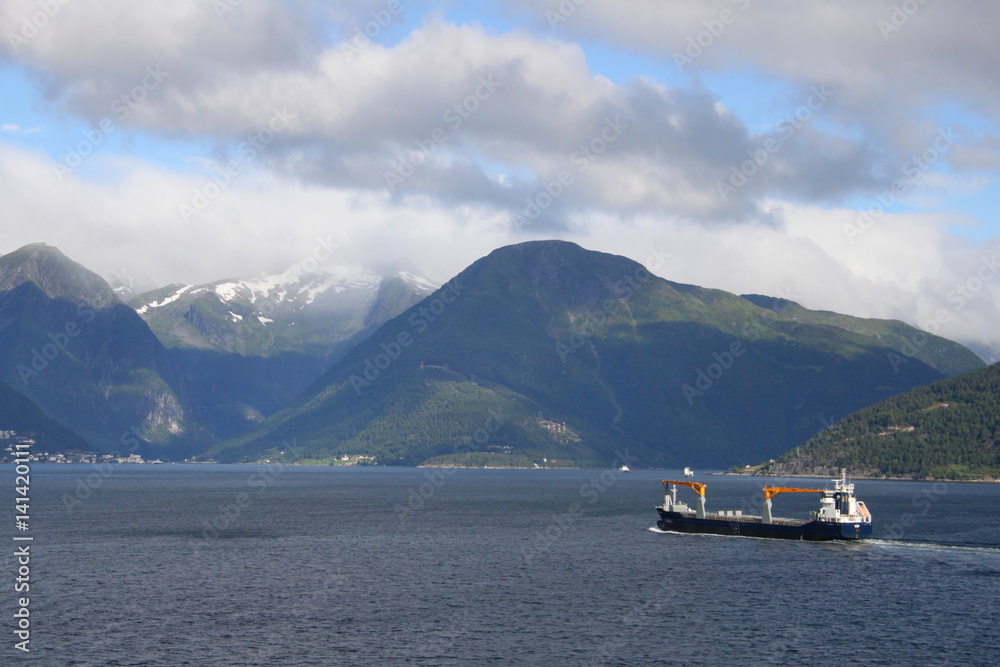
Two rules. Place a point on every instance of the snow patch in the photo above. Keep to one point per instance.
(294, 285)
(419, 282)
(227, 291)
(159, 304)
(312, 291)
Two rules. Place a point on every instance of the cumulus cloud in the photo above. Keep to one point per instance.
(883, 59)
(981, 154)
(258, 223)
(445, 141)
(453, 112)
(87, 53)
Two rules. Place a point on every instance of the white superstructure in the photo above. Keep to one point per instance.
(840, 505)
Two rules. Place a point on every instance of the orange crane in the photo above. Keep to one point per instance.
(772, 491)
(697, 486)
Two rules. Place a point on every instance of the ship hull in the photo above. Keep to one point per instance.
(817, 531)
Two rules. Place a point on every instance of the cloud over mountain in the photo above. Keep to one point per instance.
(436, 132)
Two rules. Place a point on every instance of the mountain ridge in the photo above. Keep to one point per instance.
(542, 351)
(595, 341)
(83, 357)
(949, 429)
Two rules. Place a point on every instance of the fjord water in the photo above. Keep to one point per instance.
(248, 565)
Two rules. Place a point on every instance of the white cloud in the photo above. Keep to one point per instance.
(463, 101)
(17, 129)
(259, 223)
(906, 266)
(529, 103)
(890, 63)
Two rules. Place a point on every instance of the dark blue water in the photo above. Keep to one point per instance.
(246, 565)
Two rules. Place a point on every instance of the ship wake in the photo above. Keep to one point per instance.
(931, 546)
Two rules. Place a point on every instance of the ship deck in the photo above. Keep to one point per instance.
(749, 518)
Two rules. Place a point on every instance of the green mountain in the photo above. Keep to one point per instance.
(85, 359)
(20, 415)
(949, 429)
(550, 351)
(909, 343)
(246, 348)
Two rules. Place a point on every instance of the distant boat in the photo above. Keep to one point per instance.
(624, 468)
(688, 472)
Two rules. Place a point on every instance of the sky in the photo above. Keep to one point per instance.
(842, 155)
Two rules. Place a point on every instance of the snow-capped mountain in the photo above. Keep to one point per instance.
(290, 311)
(126, 285)
(293, 288)
(243, 348)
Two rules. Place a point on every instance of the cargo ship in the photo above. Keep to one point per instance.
(840, 516)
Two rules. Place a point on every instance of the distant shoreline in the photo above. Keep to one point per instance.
(465, 467)
(876, 479)
(490, 467)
